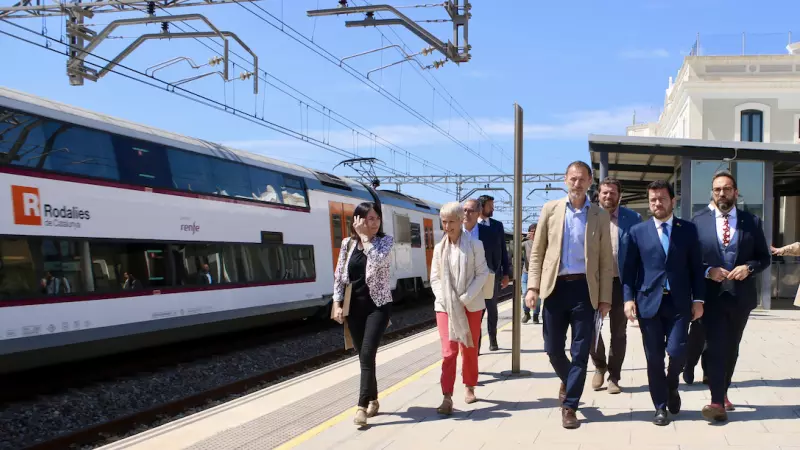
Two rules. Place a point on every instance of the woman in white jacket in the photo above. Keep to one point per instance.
(458, 273)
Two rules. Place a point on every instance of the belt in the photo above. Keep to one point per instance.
(572, 277)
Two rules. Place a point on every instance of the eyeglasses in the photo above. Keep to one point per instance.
(469, 211)
(726, 189)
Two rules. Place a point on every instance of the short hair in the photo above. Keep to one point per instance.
(477, 202)
(580, 164)
(483, 199)
(724, 173)
(453, 210)
(661, 184)
(532, 227)
(608, 181)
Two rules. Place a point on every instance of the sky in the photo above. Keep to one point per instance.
(576, 68)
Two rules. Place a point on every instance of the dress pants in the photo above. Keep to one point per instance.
(667, 330)
(469, 355)
(491, 311)
(569, 306)
(725, 321)
(367, 325)
(619, 337)
(696, 346)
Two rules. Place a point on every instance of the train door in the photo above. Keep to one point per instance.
(427, 224)
(341, 217)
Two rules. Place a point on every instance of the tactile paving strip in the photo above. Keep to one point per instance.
(277, 427)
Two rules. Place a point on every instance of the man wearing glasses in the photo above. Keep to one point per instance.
(734, 252)
(493, 246)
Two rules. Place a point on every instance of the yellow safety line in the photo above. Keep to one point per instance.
(334, 420)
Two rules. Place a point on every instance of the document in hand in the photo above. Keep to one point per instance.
(598, 326)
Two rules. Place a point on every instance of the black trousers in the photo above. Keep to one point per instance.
(367, 324)
(567, 307)
(725, 321)
(696, 346)
(491, 311)
(619, 337)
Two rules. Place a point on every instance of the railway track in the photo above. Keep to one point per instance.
(108, 431)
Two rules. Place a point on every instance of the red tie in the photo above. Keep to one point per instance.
(726, 231)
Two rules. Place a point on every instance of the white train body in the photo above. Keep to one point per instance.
(88, 198)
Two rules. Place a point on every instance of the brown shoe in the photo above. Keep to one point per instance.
(598, 379)
(613, 387)
(715, 413)
(568, 418)
(372, 408)
(562, 393)
(469, 395)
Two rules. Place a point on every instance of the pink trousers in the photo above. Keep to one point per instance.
(469, 355)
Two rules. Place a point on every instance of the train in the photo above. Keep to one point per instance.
(117, 236)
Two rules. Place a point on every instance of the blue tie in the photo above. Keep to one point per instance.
(665, 244)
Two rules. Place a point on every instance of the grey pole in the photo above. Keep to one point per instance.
(517, 297)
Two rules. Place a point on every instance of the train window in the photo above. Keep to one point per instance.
(191, 172)
(265, 185)
(18, 275)
(416, 237)
(336, 224)
(142, 163)
(232, 179)
(293, 191)
(402, 229)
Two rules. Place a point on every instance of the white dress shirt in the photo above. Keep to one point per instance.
(669, 230)
(474, 233)
(721, 223)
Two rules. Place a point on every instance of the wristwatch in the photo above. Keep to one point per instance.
(750, 268)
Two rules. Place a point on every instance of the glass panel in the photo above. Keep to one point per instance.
(232, 179)
(336, 224)
(702, 172)
(191, 172)
(294, 192)
(416, 238)
(265, 185)
(142, 163)
(757, 129)
(746, 124)
(18, 276)
(78, 150)
(750, 181)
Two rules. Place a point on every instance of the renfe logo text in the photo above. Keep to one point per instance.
(194, 228)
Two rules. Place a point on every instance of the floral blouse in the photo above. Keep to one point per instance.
(378, 274)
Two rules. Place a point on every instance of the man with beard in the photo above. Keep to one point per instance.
(501, 271)
(622, 219)
(571, 270)
(734, 251)
(664, 287)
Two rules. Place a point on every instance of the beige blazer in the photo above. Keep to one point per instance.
(545, 258)
(792, 250)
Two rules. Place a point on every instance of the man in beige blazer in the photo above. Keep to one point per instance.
(571, 269)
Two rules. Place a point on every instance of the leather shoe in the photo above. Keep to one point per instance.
(598, 379)
(613, 387)
(493, 345)
(715, 413)
(688, 375)
(728, 405)
(562, 393)
(674, 402)
(568, 418)
(661, 419)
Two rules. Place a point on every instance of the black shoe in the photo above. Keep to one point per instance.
(661, 419)
(535, 319)
(688, 375)
(493, 346)
(674, 402)
(526, 317)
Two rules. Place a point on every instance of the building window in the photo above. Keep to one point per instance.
(752, 125)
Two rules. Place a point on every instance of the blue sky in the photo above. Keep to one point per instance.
(575, 67)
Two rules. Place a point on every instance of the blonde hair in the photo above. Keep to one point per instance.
(452, 210)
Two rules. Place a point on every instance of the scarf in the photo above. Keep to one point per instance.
(453, 286)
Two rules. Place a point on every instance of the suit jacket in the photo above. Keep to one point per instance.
(751, 250)
(492, 244)
(546, 253)
(626, 218)
(503, 267)
(646, 266)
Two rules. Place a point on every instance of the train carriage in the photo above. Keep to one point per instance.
(91, 199)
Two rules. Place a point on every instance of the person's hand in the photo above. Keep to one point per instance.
(504, 282)
(718, 274)
(360, 225)
(531, 298)
(776, 251)
(604, 308)
(630, 310)
(739, 273)
(697, 310)
(338, 312)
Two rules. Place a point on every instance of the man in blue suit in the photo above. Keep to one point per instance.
(663, 286)
(499, 264)
(495, 250)
(734, 252)
(622, 219)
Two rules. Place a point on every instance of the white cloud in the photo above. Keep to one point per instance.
(644, 54)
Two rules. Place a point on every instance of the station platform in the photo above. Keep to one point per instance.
(315, 411)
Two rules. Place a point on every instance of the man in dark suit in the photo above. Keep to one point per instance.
(502, 269)
(622, 219)
(664, 287)
(495, 251)
(734, 252)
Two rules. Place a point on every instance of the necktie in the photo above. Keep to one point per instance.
(665, 244)
(726, 230)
